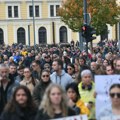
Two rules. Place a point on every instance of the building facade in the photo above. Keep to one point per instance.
(16, 23)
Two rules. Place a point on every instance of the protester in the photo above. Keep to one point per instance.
(20, 107)
(74, 99)
(47, 67)
(54, 104)
(28, 80)
(77, 71)
(113, 109)
(117, 66)
(12, 72)
(20, 76)
(39, 90)
(6, 86)
(87, 91)
(36, 69)
(109, 70)
(60, 76)
(71, 71)
(86, 86)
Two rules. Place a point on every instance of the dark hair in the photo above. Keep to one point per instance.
(33, 80)
(37, 62)
(20, 67)
(44, 70)
(60, 62)
(11, 105)
(71, 65)
(115, 85)
(12, 64)
(74, 86)
(109, 65)
(82, 58)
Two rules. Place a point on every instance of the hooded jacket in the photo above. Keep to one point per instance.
(64, 79)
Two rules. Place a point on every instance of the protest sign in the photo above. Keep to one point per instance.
(78, 117)
(102, 85)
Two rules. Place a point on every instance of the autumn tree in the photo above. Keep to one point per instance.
(102, 12)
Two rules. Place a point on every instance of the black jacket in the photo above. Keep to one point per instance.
(39, 91)
(44, 116)
(19, 114)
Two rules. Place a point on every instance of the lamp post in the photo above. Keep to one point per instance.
(33, 6)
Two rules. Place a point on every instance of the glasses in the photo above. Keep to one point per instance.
(112, 95)
(45, 76)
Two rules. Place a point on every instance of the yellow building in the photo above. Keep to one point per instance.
(16, 22)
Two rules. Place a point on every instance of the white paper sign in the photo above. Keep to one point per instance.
(109, 118)
(78, 117)
(102, 85)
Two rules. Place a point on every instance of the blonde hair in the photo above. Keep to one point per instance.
(46, 102)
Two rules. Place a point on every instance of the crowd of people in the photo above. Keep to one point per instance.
(42, 83)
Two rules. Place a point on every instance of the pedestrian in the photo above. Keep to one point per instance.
(36, 69)
(54, 104)
(74, 99)
(28, 80)
(20, 107)
(39, 90)
(112, 110)
(60, 76)
(6, 86)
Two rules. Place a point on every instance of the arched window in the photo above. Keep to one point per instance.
(21, 36)
(42, 35)
(1, 36)
(63, 34)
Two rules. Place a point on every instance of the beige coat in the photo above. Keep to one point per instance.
(29, 84)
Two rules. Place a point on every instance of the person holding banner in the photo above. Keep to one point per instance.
(74, 99)
(54, 104)
(112, 111)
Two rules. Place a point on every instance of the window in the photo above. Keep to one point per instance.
(31, 11)
(21, 36)
(54, 10)
(57, 8)
(36, 11)
(42, 35)
(1, 36)
(63, 34)
(51, 10)
(9, 11)
(13, 12)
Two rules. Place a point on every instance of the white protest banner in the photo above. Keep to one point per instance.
(110, 118)
(102, 85)
(77, 117)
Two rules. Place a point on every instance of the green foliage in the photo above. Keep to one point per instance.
(102, 12)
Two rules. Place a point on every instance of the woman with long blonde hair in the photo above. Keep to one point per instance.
(54, 104)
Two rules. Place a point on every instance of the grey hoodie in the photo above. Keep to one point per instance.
(64, 79)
